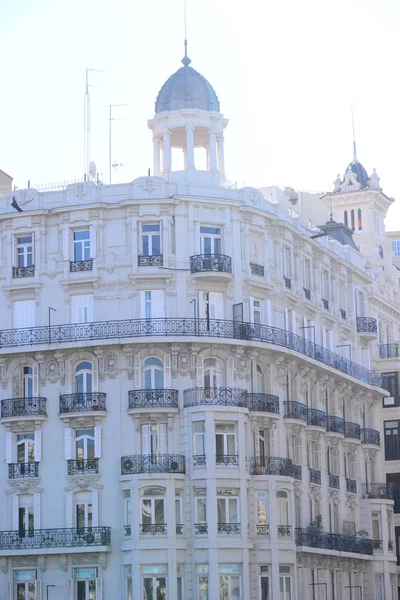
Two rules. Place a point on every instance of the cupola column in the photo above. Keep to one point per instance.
(166, 155)
(190, 147)
(221, 154)
(156, 157)
(212, 150)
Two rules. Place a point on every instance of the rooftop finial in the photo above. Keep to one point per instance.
(185, 60)
(354, 137)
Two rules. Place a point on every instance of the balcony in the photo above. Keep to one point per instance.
(295, 410)
(263, 403)
(351, 485)
(88, 466)
(325, 304)
(307, 294)
(23, 470)
(257, 269)
(18, 272)
(377, 544)
(228, 528)
(153, 529)
(352, 430)
(200, 528)
(371, 437)
(23, 407)
(262, 529)
(127, 530)
(284, 530)
(179, 529)
(335, 424)
(82, 402)
(211, 263)
(156, 260)
(271, 465)
(229, 460)
(199, 460)
(316, 418)
(287, 282)
(343, 314)
(332, 541)
(153, 463)
(315, 476)
(55, 538)
(388, 351)
(334, 481)
(149, 399)
(296, 472)
(76, 266)
(367, 328)
(380, 491)
(235, 397)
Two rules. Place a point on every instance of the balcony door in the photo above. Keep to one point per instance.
(154, 438)
(87, 585)
(83, 511)
(153, 511)
(210, 240)
(26, 521)
(84, 378)
(153, 374)
(213, 378)
(25, 447)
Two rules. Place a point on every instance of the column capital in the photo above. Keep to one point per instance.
(190, 127)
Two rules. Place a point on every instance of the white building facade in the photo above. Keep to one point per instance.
(189, 406)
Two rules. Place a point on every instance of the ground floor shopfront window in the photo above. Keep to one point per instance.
(229, 582)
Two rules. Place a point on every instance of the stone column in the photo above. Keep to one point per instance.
(156, 156)
(212, 150)
(166, 155)
(190, 147)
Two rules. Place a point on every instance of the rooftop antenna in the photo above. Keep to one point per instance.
(111, 106)
(86, 126)
(186, 60)
(354, 136)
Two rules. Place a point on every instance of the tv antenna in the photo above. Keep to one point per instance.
(354, 136)
(109, 138)
(86, 125)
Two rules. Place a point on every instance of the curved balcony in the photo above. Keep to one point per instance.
(332, 541)
(352, 430)
(316, 418)
(56, 538)
(211, 263)
(272, 465)
(23, 407)
(22, 470)
(152, 463)
(381, 491)
(367, 328)
(82, 402)
(87, 466)
(220, 396)
(371, 437)
(334, 424)
(144, 400)
(295, 410)
(263, 403)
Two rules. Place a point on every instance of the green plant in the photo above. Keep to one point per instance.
(316, 525)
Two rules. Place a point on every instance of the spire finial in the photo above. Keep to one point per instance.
(354, 137)
(185, 60)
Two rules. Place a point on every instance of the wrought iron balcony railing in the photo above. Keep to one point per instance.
(23, 407)
(334, 481)
(257, 269)
(201, 263)
(263, 403)
(85, 466)
(389, 351)
(262, 529)
(370, 436)
(390, 546)
(296, 472)
(288, 282)
(127, 530)
(295, 410)
(179, 529)
(316, 417)
(22, 470)
(156, 260)
(231, 460)
(307, 294)
(153, 529)
(271, 465)
(182, 327)
(23, 271)
(81, 402)
(56, 538)
(343, 314)
(152, 463)
(284, 530)
(325, 303)
(382, 491)
(335, 424)
(153, 398)
(228, 528)
(315, 476)
(352, 430)
(221, 396)
(367, 325)
(377, 544)
(351, 485)
(333, 541)
(81, 265)
(200, 528)
(199, 460)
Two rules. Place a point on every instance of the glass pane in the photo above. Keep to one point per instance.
(223, 588)
(161, 588)
(146, 512)
(79, 449)
(203, 588)
(199, 443)
(262, 511)
(20, 591)
(147, 380)
(265, 588)
(145, 243)
(233, 513)
(81, 590)
(231, 444)
(235, 588)
(217, 246)
(92, 590)
(89, 515)
(221, 510)
(148, 588)
(219, 444)
(159, 379)
(31, 591)
(80, 516)
(21, 453)
(207, 245)
(88, 383)
(159, 511)
(180, 588)
(156, 245)
(90, 448)
(201, 510)
(288, 588)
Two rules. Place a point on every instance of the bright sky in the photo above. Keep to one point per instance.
(286, 73)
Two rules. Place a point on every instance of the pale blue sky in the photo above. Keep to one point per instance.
(286, 73)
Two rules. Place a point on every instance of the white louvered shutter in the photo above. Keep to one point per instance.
(162, 432)
(201, 308)
(142, 304)
(199, 370)
(65, 243)
(38, 590)
(38, 445)
(167, 371)
(36, 511)
(68, 509)
(137, 372)
(216, 305)
(157, 304)
(145, 439)
(68, 443)
(268, 310)
(95, 508)
(24, 313)
(230, 372)
(93, 241)
(9, 437)
(97, 441)
(95, 375)
(15, 507)
(99, 588)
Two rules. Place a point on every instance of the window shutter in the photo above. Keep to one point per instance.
(9, 446)
(93, 241)
(97, 441)
(162, 432)
(70, 589)
(99, 588)
(216, 304)
(142, 304)
(268, 318)
(95, 507)
(167, 371)
(200, 370)
(197, 240)
(293, 321)
(68, 509)
(67, 377)
(36, 381)
(68, 443)
(145, 439)
(36, 511)
(9, 590)
(38, 590)
(137, 372)
(65, 243)
(15, 506)
(157, 304)
(251, 319)
(231, 371)
(201, 310)
(95, 375)
(38, 445)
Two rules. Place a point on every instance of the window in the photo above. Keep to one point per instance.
(210, 240)
(153, 374)
(346, 218)
(86, 583)
(359, 219)
(315, 455)
(287, 266)
(262, 443)
(353, 225)
(297, 511)
(178, 515)
(255, 310)
(212, 374)
(326, 293)
(211, 307)
(153, 511)
(24, 313)
(376, 526)
(225, 443)
(351, 465)
(199, 429)
(227, 511)
(84, 444)
(26, 521)
(82, 308)
(379, 587)
(179, 582)
(334, 460)
(392, 386)
(285, 583)
(259, 380)
(334, 517)
(393, 585)
(151, 239)
(84, 378)
(264, 583)
(201, 513)
(83, 511)
(392, 444)
(306, 273)
(282, 507)
(202, 582)
(81, 245)
(128, 585)
(154, 582)
(154, 438)
(26, 586)
(25, 447)
(152, 304)
(396, 247)
(27, 382)
(229, 582)
(127, 511)
(262, 514)
(24, 248)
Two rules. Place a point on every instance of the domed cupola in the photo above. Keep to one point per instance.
(356, 177)
(188, 119)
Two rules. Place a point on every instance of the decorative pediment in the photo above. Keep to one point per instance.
(25, 486)
(84, 482)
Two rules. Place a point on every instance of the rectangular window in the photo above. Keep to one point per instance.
(25, 585)
(151, 239)
(85, 582)
(227, 510)
(153, 513)
(127, 507)
(225, 442)
(307, 273)
(199, 429)
(287, 264)
(202, 582)
(229, 582)
(255, 310)
(326, 291)
(154, 438)
(201, 510)
(25, 447)
(82, 308)
(210, 240)
(376, 526)
(396, 247)
(392, 442)
(379, 587)
(392, 384)
(24, 313)
(81, 245)
(26, 525)
(152, 304)
(84, 443)
(262, 514)
(24, 249)
(264, 583)
(211, 306)
(154, 582)
(285, 583)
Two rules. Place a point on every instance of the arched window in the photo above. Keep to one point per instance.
(359, 219)
(353, 225)
(346, 219)
(282, 502)
(212, 374)
(27, 382)
(84, 378)
(153, 374)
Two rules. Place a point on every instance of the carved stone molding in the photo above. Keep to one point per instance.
(3, 565)
(84, 482)
(64, 562)
(24, 561)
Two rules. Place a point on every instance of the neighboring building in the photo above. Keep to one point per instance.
(5, 183)
(199, 419)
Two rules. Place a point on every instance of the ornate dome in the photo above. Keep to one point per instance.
(360, 172)
(186, 89)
